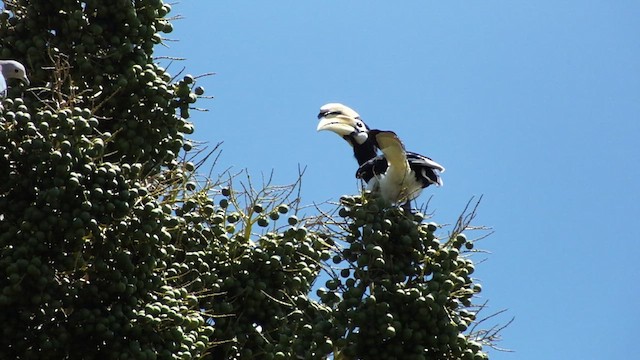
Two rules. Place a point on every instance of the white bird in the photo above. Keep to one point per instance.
(11, 69)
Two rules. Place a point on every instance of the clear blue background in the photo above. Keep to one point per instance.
(533, 104)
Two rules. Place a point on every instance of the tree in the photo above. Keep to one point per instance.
(113, 246)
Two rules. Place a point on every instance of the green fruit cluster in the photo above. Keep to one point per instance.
(404, 291)
(99, 56)
(81, 242)
(251, 288)
(86, 153)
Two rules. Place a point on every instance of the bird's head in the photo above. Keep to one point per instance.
(12, 69)
(343, 121)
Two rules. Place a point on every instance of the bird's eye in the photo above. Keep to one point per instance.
(17, 71)
(359, 124)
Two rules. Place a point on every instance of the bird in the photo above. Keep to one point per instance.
(398, 175)
(11, 69)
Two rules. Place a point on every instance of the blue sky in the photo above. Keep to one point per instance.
(534, 105)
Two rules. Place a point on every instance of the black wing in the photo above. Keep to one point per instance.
(424, 169)
(371, 168)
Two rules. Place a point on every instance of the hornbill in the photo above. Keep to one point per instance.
(11, 69)
(398, 175)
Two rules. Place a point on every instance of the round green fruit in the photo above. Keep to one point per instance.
(262, 221)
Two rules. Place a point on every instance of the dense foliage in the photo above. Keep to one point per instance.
(111, 247)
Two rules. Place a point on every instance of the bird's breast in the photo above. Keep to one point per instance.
(398, 186)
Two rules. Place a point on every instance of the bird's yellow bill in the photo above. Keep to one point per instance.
(337, 124)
